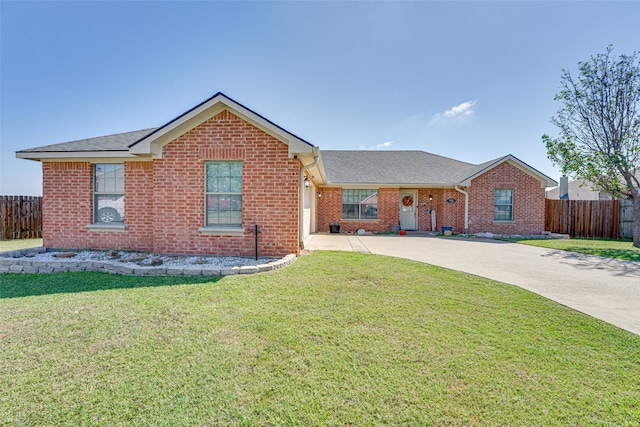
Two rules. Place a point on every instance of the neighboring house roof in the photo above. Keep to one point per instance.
(409, 168)
(581, 189)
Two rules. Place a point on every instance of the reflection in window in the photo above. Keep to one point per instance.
(360, 204)
(503, 205)
(108, 193)
(223, 193)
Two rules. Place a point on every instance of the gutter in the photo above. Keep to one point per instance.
(316, 159)
(466, 207)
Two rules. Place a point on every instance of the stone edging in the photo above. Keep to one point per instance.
(12, 262)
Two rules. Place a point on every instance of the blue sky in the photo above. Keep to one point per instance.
(469, 80)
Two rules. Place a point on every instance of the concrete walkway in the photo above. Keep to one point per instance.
(608, 289)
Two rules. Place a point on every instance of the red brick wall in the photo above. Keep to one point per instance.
(68, 208)
(164, 199)
(329, 209)
(269, 183)
(528, 206)
(528, 201)
(66, 203)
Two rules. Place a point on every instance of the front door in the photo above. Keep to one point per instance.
(408, 211)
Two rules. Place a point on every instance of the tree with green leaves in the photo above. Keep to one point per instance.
(599, 123)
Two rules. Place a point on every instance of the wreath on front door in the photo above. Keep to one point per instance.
(407, 200)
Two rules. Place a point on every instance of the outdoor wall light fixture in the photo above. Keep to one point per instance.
(319, 195)
(430, 197)
(307, 183)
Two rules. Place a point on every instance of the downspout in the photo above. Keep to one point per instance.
(316, 158)
(466, 208)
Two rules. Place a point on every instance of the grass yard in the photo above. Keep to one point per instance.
(337, 338)
(622, 249)
(14, 245)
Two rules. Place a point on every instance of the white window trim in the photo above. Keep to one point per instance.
(118, 228)
(97, 225)
(222, 231)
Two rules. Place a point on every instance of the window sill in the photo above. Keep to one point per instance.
(504, 222)
(222, 231)
(119, 228)
(359, 220)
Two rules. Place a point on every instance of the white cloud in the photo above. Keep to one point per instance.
(466, 109)
(458, 112)
(383, 145)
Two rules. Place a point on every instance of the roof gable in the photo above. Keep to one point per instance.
(152, 143)
(545, 181)
(149, 142)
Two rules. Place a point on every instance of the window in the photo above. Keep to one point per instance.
(503, 205)
(359, 204)
(223, 194)
(108, 194)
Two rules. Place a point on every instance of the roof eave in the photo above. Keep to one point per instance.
(389, 185)
(74, 155)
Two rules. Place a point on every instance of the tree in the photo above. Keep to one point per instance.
(599, 124)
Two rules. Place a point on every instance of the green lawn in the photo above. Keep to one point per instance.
(13, 245)
(337, 338)
(622, 249)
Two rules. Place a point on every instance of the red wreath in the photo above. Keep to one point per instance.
(407, 200)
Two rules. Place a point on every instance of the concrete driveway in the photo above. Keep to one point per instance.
(608, 289)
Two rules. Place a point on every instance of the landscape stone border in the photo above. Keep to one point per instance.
(14, 262)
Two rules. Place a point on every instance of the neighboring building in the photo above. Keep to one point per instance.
(576, 190)
(200, 184)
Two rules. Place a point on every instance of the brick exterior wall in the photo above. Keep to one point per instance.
(528, 206)
(164, 199)
(329, 209)
(528, 201)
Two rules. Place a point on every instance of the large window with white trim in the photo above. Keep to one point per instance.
(359, 204)
(503, 205)
(108, 193)
(223, 194)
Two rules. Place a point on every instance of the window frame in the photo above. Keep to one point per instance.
(360, 197)
(117, 193)
(497, 205)
(233, 197)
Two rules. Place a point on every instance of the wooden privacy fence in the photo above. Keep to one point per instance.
(20, 217)
(583, 218)
(626, 219)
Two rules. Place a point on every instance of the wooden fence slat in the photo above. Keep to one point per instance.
(20, 217)
(584, 218)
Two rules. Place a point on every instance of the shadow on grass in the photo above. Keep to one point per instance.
(24, 285)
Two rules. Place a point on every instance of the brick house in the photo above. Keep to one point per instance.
(203, 181)
(423, 191)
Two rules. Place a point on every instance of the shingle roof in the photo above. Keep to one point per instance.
(116, 142)
(393, 167)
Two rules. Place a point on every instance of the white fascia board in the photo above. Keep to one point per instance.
(153, 143)
(377, 185)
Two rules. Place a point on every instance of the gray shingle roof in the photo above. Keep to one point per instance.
(394, 167)
(116, 142)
